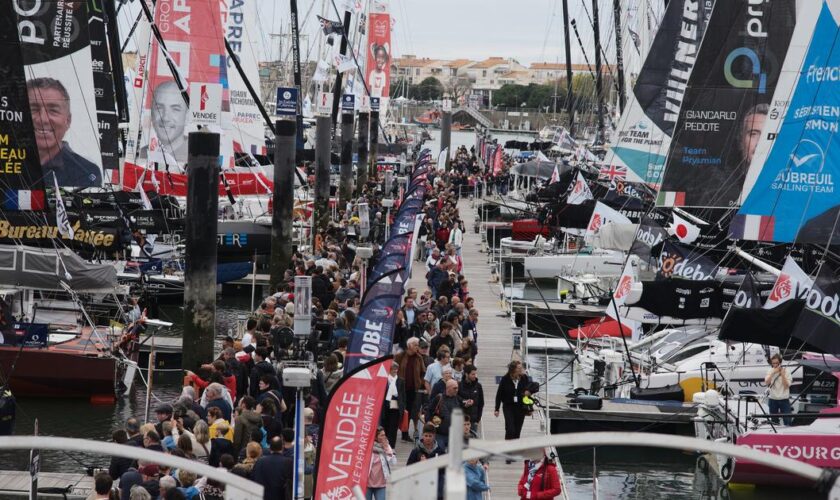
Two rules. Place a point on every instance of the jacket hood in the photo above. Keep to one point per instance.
(251, 417)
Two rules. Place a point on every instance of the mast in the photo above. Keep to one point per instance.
(112, 30)
(619, 56)
(570, 109)
(343, 50)
(599, 84)
(296, 68)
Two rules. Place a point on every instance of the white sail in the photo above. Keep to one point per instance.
(242, 123)
(137, 87)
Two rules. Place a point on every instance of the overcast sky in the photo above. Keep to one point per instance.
(526, 30)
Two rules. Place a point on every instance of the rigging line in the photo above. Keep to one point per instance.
(131, 31)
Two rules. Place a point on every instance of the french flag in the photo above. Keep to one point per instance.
(23, 199)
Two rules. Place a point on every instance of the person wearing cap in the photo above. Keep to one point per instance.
(151, 479)
(163, 413)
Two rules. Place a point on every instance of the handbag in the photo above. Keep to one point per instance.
(404, 421)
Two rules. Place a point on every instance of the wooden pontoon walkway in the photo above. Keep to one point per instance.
(495, 351)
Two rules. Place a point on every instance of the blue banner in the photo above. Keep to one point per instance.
(794, 197)
(373, 334)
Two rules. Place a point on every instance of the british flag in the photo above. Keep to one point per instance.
(612, 172)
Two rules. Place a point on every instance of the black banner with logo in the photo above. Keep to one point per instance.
(103, 85)
(726, 102)
(20, 170)
(680, 261)
(819, 323)
(20, 228)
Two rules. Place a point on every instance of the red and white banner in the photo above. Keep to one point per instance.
(378, 67)
(349, 429)
(174, 184)
(193, 32)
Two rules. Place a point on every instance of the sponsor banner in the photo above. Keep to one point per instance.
(602, 215)
(395, 252)
(19, 165)
(792, 283)
(678, 261)
(649, 234)
(747, 295)
(206, 104)
(286, 104)
(175, 184)
(349, 430)
(373, 334)
(794, 197)
(103, 86)
(59, 80)
(19, 229)
(726, 103)
(579, 190)
(807, 14)
(378, 66)
(240, 113)
(193, 33)
(644, 131)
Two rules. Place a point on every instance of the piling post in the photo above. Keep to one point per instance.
(362, 163)
(323, 126)
(374, 141)
(282, 200)
(446, 131)
(200, 253)
(345, 182)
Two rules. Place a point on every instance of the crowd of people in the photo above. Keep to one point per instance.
(235, 413)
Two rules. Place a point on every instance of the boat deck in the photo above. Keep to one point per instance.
(622, 414)
(16, 484)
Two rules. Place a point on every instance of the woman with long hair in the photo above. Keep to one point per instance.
(380, 466)
(513, 387)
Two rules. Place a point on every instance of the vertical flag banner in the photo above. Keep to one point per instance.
(56, 52)
(644, 131)
(726, 103)
(103, 81)
(194, 38)
(378, 65)
(349, 429)
(795, 195)
(20, 166)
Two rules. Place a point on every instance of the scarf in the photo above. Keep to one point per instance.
(532, 471)
(392, 390)
(383, 460)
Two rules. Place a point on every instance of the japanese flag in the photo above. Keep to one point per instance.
(685, 231)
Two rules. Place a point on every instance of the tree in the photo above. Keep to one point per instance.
(430, 89)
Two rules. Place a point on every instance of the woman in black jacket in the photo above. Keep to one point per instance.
(514, 386)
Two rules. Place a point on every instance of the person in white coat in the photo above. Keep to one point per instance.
(456, 237)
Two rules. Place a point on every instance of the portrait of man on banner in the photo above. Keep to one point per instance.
(50, 105)
(170, 117)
